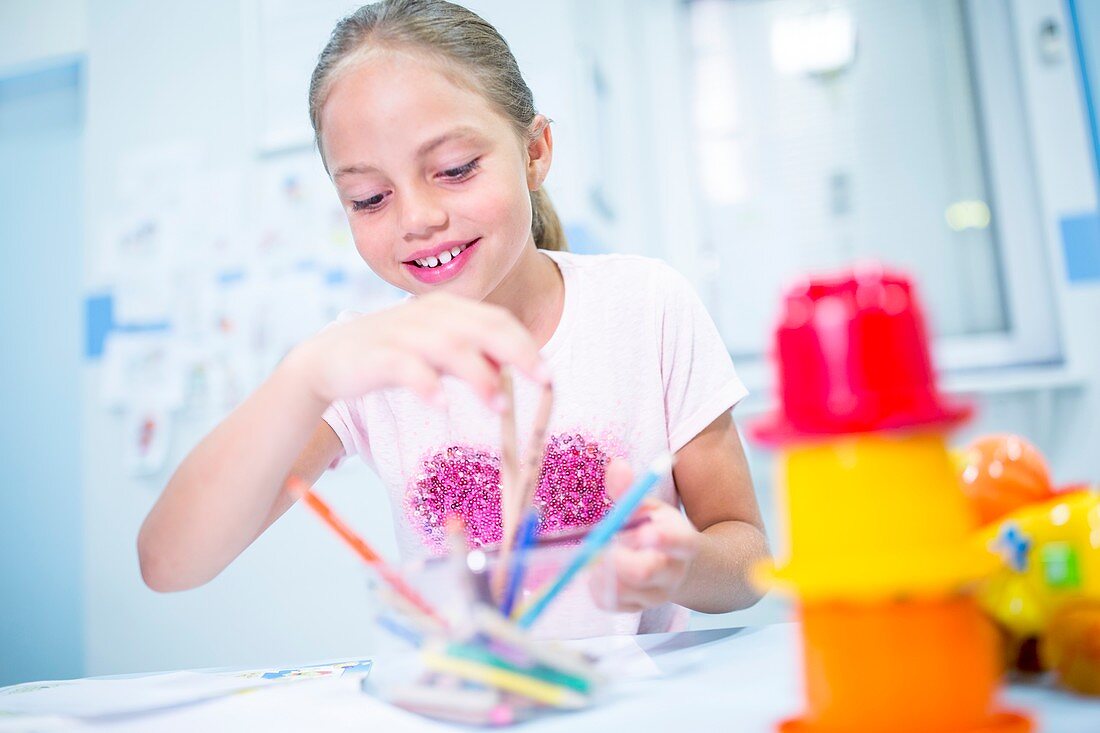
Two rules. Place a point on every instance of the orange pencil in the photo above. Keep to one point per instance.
(301, 489)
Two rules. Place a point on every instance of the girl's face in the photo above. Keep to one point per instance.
(435, 183)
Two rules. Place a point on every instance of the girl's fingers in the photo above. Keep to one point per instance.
(638, 601)
(668, 537)
(628, 581)
(477, 371)
(452, 355)
(642, 569)
(503, 339)
(667, 530)
(617, 478)
(417, 375)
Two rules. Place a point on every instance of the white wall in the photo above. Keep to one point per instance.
(60, 29)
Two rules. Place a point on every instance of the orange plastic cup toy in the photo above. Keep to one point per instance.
(901, 666)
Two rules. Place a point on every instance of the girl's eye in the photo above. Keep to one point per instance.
(460, 173)
(368, 204)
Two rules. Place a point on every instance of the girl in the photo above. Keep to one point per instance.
(431, 138)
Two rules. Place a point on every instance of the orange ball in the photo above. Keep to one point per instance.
(1001, 473)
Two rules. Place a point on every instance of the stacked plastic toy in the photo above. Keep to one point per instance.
(1046, 594)
(878, 532)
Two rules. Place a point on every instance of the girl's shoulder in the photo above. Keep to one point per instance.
(620, 277)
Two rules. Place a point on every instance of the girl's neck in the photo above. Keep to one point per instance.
(534, 292)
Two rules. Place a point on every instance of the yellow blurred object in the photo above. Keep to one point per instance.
(1050, 561)
(873, 516)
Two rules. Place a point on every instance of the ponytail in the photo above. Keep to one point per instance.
(545, 224)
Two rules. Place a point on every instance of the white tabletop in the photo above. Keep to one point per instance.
(718, 679)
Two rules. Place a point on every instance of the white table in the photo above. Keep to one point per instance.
(718, 679)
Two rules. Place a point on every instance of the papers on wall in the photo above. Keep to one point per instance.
(205, 275)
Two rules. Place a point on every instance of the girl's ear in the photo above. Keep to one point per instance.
(540, 151)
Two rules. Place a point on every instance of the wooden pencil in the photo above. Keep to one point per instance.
(509, 479)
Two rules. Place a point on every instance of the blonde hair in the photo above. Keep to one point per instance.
(459, 38)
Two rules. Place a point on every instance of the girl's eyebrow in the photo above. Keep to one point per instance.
(456, 133)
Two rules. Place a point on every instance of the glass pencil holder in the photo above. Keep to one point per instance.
(472, 634)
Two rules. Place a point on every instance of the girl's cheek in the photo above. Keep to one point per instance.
(371, 245)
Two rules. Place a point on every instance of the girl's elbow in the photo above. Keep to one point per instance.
(158, 571)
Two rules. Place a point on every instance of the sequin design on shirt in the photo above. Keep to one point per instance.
(465, 481)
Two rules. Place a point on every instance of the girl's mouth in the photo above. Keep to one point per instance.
(442, 266)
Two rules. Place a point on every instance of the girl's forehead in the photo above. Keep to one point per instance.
(399, 103)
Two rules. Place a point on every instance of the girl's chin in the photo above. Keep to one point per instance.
(463, 287)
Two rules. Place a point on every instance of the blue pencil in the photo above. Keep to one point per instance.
(600, 535)
(518, 568)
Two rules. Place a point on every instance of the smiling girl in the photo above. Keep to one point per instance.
(437, 153)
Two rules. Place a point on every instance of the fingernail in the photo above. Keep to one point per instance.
(439, 400)
(498, 402)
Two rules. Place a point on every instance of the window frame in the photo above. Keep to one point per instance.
(1033, 334)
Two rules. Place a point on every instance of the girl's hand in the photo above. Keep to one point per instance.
(648, 564)
(414, 344)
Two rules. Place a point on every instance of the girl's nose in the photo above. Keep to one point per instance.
(421, 213)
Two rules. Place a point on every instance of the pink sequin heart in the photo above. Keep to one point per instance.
(466, 481)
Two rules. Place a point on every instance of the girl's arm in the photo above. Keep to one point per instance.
(712, 478)
(231, 487)
(702, 561)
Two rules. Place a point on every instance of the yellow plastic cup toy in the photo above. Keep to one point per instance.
(876, 515)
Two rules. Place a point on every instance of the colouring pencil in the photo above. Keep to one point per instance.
(518, 568)
(493, 625)
(536, 449)
(300, 488)
(521, 495)
(509, 477)
(521, 684)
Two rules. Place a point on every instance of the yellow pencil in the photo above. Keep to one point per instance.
(520, 684)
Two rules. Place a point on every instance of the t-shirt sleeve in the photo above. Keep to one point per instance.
(345, 417)
(346, 420)
(700, 381)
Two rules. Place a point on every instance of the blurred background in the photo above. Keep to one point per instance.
(167, 233)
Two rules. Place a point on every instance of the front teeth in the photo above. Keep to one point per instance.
(443, 258)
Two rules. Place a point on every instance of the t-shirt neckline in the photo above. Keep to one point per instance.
(565, 324)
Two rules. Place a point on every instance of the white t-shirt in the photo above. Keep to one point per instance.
(638, 368)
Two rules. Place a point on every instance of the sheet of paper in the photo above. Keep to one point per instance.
(102, 698)
(620, 657)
